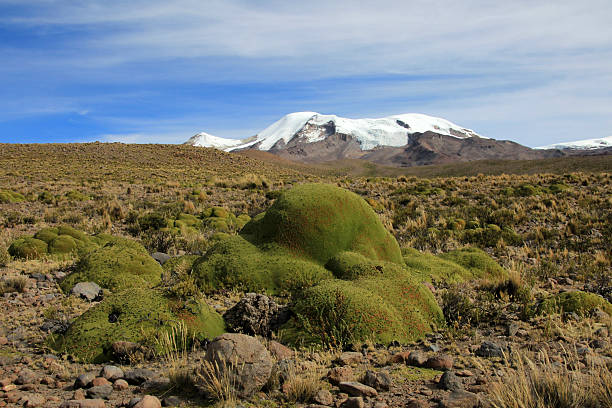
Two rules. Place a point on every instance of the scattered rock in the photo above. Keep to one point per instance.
(90, 403)
(353, 402)
(416, 358)
(120, 385)
(357, 389)
(158, 383)
(100, 391)
(340, 374)
(460, 399)
(26, 376)
(350, 358)
(449, 381)
(440, 362)
(160, 257)
(111, 372)
(171, 401)
(253, 363)
(99, 381)
(33, 400)
(511, 329)
(79, 394)
(89, 291)
(55, 326)
(324, 397)
(279, 351)
(433, 347)
(490, 349)
(139, 376)
(256, 314)
(381, 381)
(148, 401)
(84, 380)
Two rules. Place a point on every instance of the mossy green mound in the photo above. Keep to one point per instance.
(456, 266)
(28, 248)
(119, 264)
(327, 247)
(579, 302)
(476, 262)
(381, 309)
(317, 221)
(60, 241)
(8, 197)
(135, 314)
(236, 263)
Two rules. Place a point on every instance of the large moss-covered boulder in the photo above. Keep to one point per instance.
(119, 264)
(320, 220)
(137, 315)
(582, 303)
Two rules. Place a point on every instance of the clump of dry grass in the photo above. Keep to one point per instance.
(301, 386)
(218, 381)
(553, 385)
(173, 346)
(13, 284)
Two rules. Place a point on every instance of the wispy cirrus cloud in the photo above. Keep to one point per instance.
(532, 71)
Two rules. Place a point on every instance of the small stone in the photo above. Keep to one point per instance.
(279, 351)
(434, 347)
(99, 381)
(381, 381)
(120, 385)
(26, 376)
(489, 349)
(111, 372)
(401, 357)
(380, 404)
(511, 329)
(460, 399)
(160, 257)
(602, 332)
(158, 383)
(84, 403)
(3, 341)
(89, 291)
(148, 401)
(139, 376)
(440, 362)
(324, 397)
(84, 380)
(416, 358)
(34, 400)
(357, 389)
(416, 403)
(350, 357)
(171, 401)
(449, 381)
(353, 402)
(340, 374)
(79, 394)
(100, 391)
(465, 373)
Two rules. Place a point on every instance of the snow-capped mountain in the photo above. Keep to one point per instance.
(204, 139)
(587, 144)
(400, 140)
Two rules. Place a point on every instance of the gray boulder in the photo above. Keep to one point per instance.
(89, 291)
(244, 358)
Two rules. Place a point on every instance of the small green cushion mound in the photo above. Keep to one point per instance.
(578, 302)
(351, 265)
(380, 309)
(135, 314)
(47, 234)
(120, 263)
(62, 244)
(28, 248)
(318, 221)
(476, 262)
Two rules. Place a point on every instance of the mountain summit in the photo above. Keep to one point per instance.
(400, 140)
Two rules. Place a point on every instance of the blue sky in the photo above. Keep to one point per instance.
(536, 72)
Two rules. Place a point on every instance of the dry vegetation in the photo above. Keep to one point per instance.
(548, 222)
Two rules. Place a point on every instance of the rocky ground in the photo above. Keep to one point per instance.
(452, 368)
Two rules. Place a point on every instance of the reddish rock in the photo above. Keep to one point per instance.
(120, 385)
(99, 381)
(350, 357)
(85, 403)
(357, 389)
(148, 401)
(279, 351)
(79, 394)
(440, 362)
(340, 374)
(399, 358)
